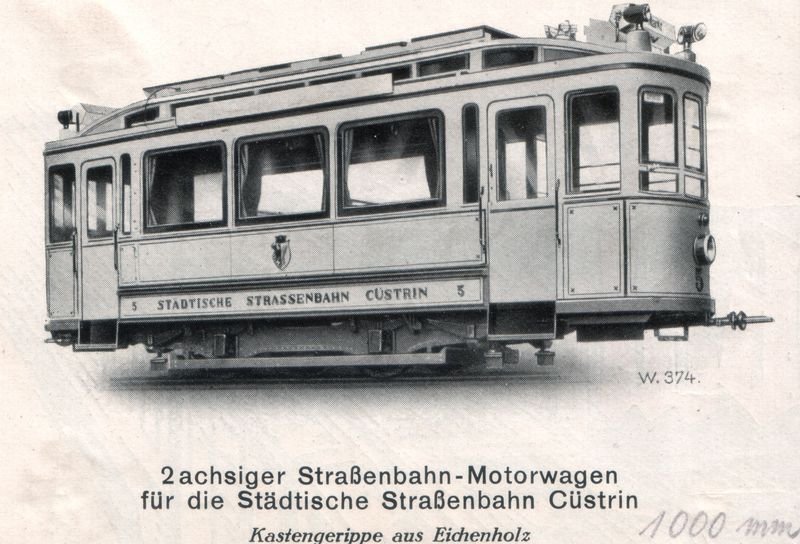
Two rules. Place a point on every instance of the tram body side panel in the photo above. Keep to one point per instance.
(61, 283)
(661, 237)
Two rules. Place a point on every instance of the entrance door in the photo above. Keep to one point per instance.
(62, 243)
(522, 216)
(98, 240)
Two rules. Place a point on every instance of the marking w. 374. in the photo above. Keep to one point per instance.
(668, 377)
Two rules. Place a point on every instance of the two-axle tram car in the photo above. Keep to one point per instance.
(423, 202)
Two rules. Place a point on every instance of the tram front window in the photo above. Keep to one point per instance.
(658, 141)
(694, 147)
(185, 188)
(594, 142)
(394, 163)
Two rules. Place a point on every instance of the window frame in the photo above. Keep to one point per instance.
(102, 163)
(125, 217)
(570, 189)
(547, 158)
(489, 51)
(676, 144)
(464, 153)
(440, 202)
(147, 227)
(424, 63)
(702, 113)
(73, 199)
(658, 167)
(325, 161)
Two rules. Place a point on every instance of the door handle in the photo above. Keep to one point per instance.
(75, 253)
(558, 232)
(481, 219)
(116, 248)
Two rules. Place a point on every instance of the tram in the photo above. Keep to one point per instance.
(429, 202)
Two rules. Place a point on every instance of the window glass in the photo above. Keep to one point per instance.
(282, 175)
(659, 182)
(392, 162)
(398, 72)
(522, 154)
(126, 193)
(695, 187)
(99, 222)
(562, 54)
(693, 120)
(495, 58)
(443, 65)
(658, 130)
(144, 116)
(594, 135)
(469, 119)
(62, 202)
(185, 187)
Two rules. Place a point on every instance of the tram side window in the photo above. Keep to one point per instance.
(522, 154)
(469, 122)
(282, 176)
(126, 193)
(186, 188)
(99, 222)
(62, 202)
(392, 164)
(594, 141)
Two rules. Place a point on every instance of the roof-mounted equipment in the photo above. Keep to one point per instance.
(564, 31)
(643, 31)
(687, 35)
(65, 119)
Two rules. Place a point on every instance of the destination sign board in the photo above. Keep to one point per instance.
(305, 299)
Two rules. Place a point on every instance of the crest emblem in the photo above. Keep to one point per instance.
(281, 252)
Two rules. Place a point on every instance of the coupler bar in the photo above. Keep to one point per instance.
(737, 321)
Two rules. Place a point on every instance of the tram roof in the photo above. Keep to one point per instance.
(482, 33)
(287, 79)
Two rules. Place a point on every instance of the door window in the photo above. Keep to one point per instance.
(99, 190)
(522, 154)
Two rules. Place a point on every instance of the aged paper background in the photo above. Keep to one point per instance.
(75, 454)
